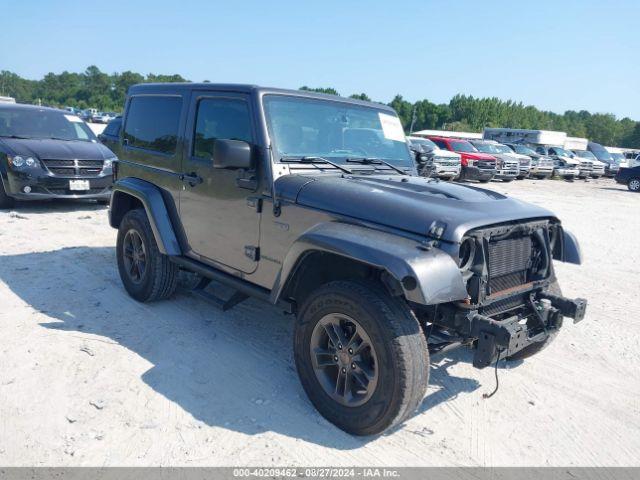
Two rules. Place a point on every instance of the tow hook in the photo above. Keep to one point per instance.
(572, 308)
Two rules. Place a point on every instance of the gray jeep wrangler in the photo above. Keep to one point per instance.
(311, 202)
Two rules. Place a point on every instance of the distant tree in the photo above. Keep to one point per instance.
(107, 92)
(360, 96)
(327, 90)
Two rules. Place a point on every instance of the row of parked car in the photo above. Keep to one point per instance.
(92, 115)
(455, 158)
(53, 153)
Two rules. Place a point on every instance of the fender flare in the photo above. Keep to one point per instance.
(570, 251)
(427, 277)
(153, 202)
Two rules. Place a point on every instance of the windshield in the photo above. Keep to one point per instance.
(563, 153)
(503, 149)
(617, 157)
(43, 123)
(585, 154)
(462, 146)
(525, 150)
(424, 142)
(600, 152)
(487, 147)
(305, 127)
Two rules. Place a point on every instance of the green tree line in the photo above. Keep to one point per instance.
(106, 92)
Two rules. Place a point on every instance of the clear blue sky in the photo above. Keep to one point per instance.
(556, 55)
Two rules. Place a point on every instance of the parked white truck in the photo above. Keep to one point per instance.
(579, 146)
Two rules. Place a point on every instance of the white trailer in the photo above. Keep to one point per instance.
(7, 99)
(576, 143)
(531, 137)
(447, 133)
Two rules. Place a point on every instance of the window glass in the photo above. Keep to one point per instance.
(29, 122)
(113, 128)
(336, 130)
(441, 144)
(152, 123)
(220, 118)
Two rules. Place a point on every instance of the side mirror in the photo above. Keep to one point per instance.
(232, 154)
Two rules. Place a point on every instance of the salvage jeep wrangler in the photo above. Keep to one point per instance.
(312, 203)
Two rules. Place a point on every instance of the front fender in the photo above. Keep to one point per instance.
(151, 198)
(427, 277)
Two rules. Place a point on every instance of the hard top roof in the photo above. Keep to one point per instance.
(168, 88)
(25, 106)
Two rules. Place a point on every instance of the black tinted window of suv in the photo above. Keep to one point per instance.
(220, 118)
(152, 123)
(113, 128)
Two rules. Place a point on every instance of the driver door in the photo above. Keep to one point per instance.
(219, 225)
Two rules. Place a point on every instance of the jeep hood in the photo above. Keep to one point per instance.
(56, 149)
(413, 204)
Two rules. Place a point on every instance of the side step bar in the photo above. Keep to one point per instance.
(224, 305)
(243, 289)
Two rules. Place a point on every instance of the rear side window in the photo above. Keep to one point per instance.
(113, 128)
(220, 118)
(152, 123)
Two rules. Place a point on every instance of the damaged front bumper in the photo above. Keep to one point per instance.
(509, 336)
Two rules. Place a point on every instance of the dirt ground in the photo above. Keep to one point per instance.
(88, 376)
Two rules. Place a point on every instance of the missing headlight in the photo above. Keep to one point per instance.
(467, 253)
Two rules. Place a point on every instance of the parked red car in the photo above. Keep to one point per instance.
(475, 165)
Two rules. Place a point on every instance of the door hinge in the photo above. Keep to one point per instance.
(252, 252)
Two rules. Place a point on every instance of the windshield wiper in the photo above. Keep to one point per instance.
(376, 161)
(16, 136)
(315, 160)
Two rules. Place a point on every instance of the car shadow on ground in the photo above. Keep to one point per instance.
(232, 370)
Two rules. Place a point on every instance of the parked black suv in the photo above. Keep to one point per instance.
(311, 202)
(629, 177)
(49, 153)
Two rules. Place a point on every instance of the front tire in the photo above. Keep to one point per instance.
(147, 275)
(634, 185)
(5, 200)
(361, 356)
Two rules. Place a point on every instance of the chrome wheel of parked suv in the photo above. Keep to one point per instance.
(361, 356)
(634, 185)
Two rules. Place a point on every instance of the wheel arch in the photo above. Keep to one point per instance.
(336, 251)
(131, 193)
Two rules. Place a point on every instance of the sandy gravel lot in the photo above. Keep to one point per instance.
(90, 377)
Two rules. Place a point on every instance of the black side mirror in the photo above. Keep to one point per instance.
(232, 154)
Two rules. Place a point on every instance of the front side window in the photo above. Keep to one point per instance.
(152, 123)
(42, 123)
(220, 118)
(306, 127)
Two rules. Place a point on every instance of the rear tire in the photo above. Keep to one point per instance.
(394, 359)
(531, 350)
(147, 275)
(5, 200)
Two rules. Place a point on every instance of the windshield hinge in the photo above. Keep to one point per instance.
(252, 252)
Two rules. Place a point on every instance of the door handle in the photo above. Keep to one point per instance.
(192, 179)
